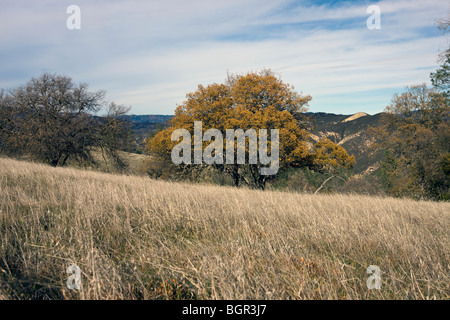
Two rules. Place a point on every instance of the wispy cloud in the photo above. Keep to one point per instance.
(150, 54)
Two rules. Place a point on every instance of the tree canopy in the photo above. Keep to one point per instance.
(51, 118)
(416, 137)
(255, 100)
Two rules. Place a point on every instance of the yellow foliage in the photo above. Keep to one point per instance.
(258, 101)
(254, 100)
(327, 154)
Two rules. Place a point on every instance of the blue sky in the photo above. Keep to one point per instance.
(149, 54)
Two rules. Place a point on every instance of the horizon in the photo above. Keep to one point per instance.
(150, 55)
(337, 114)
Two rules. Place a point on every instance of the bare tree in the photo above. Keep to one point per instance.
(53, 119)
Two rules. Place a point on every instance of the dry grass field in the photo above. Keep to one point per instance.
(136, 238)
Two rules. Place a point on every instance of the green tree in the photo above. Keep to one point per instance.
(416, 137)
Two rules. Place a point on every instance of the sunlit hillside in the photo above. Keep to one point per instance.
(137, 238)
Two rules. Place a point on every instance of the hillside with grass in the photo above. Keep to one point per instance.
(137, 238)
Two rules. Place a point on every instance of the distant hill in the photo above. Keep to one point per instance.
(142, 125)
(350, 131)
(149, 118)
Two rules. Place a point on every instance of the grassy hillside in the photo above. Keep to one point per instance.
(104, 163)
(138, 238)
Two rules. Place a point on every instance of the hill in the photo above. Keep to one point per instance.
(137, 238)
(150, 118)
(349, 131)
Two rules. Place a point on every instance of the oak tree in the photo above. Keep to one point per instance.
(255, 100)
(51, 119)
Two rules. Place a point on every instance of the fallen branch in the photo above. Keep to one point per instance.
(323, 184)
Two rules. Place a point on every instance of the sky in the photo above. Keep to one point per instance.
(150, 54)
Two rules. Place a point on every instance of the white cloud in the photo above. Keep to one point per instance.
(150, 54)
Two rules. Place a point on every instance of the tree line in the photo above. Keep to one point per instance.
(415, 136)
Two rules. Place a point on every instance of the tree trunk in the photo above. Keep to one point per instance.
(236, 175)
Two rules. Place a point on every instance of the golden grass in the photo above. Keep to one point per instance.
(136, 238)
(105, 164)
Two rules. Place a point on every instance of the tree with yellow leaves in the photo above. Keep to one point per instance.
(256, 100)
(329, 156)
